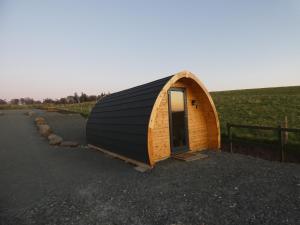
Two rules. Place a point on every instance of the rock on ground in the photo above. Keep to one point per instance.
(44, 130)
(54, 139)
(69, 144)
(40, 121)
(69, 126)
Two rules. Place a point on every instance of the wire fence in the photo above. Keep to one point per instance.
(281, 139)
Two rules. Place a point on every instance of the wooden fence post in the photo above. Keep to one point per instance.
(229, 136)
(281, 143)
(285, 137)
(285, 134)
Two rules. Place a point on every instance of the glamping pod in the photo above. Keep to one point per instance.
(150, 122)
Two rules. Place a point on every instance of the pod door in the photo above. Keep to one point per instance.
(178, 120)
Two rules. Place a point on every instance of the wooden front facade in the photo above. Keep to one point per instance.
(202, 120)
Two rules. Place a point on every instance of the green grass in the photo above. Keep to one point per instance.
(13, 107)
(262, 107)
(83, 108)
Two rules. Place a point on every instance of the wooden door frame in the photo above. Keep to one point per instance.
(186, 131)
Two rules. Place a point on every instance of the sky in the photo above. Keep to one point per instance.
(57, 47)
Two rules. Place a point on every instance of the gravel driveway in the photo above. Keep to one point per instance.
(41, 184)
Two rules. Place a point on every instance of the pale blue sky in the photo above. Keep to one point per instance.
(54, 48)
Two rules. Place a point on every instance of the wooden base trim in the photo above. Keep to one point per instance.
(124, 158)
(162, 159)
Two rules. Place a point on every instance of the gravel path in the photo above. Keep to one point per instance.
(70, 126)
(41, 184)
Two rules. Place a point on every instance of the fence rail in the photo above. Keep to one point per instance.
(280, 131)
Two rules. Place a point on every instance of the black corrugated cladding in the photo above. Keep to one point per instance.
(119, 122)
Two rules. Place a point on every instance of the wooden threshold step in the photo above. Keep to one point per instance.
(189, 156)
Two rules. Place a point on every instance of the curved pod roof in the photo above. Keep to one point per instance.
(122, 122)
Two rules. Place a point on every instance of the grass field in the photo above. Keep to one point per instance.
(83, 108)
(12, 107)
(262, 107)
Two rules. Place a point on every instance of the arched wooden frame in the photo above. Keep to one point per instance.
(185, 118)
(170, 83)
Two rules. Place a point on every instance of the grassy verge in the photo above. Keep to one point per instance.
(261, 107)
(13, 107)
(83, 108)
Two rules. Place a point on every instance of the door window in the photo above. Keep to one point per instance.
(177, 119)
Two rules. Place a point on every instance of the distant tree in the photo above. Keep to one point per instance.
(48, 101)
(3, 102)
(76, 97)
(62, 101)
(15, 101)
(83, 97)
(37, 102)
(22, 101)
(28, 101)
(102, 95)
(92, 98)
(71, 100)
